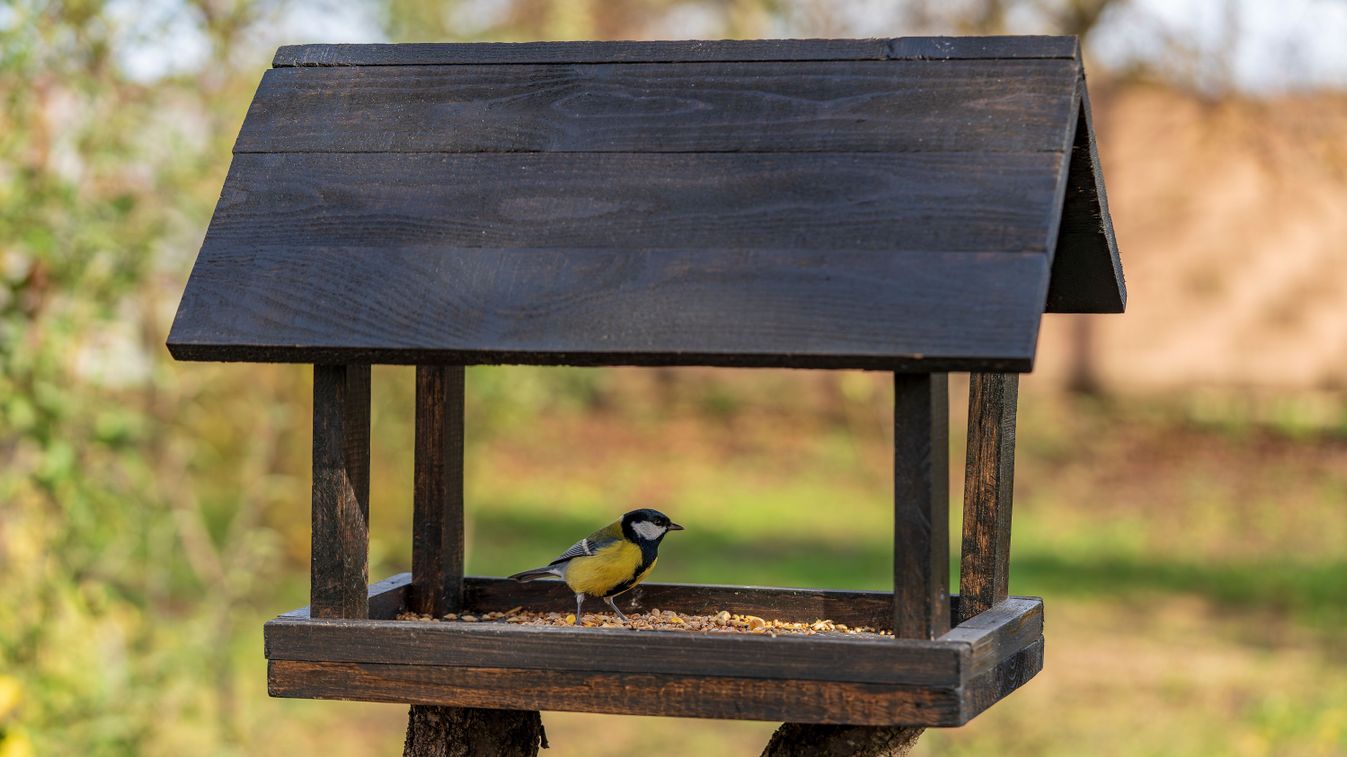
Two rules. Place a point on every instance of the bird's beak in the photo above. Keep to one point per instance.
(676, 527)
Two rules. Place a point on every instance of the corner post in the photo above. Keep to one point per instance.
(341, 437)
(920, 559)
(437, 575)
(989, 480)
(921, 505)
(437, 504)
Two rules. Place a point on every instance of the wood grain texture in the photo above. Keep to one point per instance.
(1010, 626)
(617, 693)
(709, 149)
(806, 740)
(469, 731)
(835, 309)
(1003, 47)
(989, 485)
(437, 498)
(1065, 137)
(998, 682)
(870, 106)
(820, 201)
(615, 650)
(921, 505)
(691, 51)
(958, 656)
(981, 642)
(954, 667)
(341, 425)
(1087, 275)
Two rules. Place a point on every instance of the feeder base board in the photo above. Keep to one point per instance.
(811, 679)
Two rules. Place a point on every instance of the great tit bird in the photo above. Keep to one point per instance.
(610, 560)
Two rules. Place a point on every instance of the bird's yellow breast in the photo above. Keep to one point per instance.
(604, 572)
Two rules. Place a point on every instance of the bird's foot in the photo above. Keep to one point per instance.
(613, 605)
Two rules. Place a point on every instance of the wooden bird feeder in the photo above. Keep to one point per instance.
(908, 205)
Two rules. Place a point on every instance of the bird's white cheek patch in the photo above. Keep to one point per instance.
(647, 530)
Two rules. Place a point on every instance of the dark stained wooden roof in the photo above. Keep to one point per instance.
(906, 204)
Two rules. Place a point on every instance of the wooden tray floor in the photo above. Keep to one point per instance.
(862, 680)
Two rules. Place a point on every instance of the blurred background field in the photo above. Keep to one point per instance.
(1182, 468)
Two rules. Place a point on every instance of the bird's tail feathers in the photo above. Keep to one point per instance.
(550, 571)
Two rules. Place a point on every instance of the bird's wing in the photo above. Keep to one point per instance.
(589, 545)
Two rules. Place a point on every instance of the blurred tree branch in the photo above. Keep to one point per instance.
(1079, 17)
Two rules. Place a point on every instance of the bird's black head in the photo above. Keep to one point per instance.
(647, 525)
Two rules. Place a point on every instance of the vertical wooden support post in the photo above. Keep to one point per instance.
(437, 508)
(989, 480)
(920, 560)
(340, 564)
(437, 575)
(921, 505)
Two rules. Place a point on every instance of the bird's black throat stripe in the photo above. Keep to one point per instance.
(649, 550)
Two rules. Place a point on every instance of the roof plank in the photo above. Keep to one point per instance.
(686, 306)
(885, 204)
(935, 201)
(844, 106)
(683, 51)
(1002, 47)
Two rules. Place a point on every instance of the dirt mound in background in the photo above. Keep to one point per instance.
(1232, 220)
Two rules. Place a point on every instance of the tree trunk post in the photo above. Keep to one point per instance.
(466, 732)
(796, 740)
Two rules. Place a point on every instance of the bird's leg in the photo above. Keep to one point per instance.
(579, 604)
(613, 605)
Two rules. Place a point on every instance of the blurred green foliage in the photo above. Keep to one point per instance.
(122, 557)
(146, 504)
(153, 513)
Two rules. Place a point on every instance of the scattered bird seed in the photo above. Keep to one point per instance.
(666, 620)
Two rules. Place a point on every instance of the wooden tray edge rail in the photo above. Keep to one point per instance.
(815, 679)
